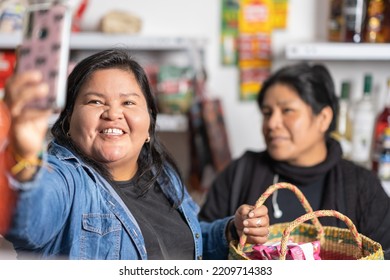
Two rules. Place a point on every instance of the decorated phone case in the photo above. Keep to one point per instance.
(45, 46)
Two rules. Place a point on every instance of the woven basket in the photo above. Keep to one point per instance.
(336, 243)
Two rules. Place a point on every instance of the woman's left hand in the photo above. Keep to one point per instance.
(254, 222)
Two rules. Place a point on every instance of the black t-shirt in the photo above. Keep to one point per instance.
(167, 236)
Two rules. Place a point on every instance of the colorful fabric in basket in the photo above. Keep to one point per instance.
(295, 251)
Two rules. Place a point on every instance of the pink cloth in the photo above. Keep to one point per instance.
(295, 251)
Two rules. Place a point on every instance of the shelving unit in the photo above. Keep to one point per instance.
(338, 51)
(100, 41)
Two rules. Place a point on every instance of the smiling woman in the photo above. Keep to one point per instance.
(106, 188)
(299, 108)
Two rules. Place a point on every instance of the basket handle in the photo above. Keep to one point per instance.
(302, 199)
(319, 213)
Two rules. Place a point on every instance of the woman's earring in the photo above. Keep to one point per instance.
(147, 139)
(63, 129)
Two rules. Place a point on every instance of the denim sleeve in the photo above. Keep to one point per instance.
(215, 244)
(42, 206)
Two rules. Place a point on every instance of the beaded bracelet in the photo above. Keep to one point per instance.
(22, 163)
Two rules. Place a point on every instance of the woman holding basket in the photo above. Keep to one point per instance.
(299, 108)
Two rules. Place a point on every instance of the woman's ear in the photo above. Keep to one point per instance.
(325, 118)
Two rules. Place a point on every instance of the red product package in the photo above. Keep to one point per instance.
(7, 63)
(295, 251)
(7, 196)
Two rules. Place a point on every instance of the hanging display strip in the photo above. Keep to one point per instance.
(254, 46)
(254, 63)
(280, 10)
(229, 31)
(246, 27)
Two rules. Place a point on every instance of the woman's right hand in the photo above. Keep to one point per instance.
(28, 125)
(254, 222)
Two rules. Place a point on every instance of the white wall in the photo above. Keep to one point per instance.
(200, 18)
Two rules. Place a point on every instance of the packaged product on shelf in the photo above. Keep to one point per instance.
(353, 15)
(335, 20)
(343, 132)
(363, 119)
(120, 22)
(377, 24)
(7, 63)
(174, 89)
(384, 157)
(381, 123)
(152, 73)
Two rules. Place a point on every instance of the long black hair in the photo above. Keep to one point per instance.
(313, 84)
(153, 155)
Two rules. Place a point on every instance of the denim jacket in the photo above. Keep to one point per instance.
(70, 211)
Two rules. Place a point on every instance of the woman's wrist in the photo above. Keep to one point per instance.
(232, 231)
(23, 168)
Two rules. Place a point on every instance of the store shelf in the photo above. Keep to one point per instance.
(338, 51)
(99, 41)
(102, 41)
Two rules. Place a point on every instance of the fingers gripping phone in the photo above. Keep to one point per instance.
(45, 47)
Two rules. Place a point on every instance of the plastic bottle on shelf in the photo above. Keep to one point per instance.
(384, 157)
(377, 23)
(381, 123)
(343, 132)
(354, 12)
(363, 125)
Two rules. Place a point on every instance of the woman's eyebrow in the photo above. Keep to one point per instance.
(93, 93)
(130, 94)
(101, 95)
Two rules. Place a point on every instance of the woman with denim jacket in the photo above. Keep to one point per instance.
(106, 188)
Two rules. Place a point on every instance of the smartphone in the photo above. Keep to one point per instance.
(45, 47)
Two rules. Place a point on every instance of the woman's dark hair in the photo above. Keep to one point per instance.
(153, 154)
(313, 84)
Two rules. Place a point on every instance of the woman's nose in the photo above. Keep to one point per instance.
(274, 120)
(112, 112)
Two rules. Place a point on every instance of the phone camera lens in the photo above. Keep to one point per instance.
(42, 34)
